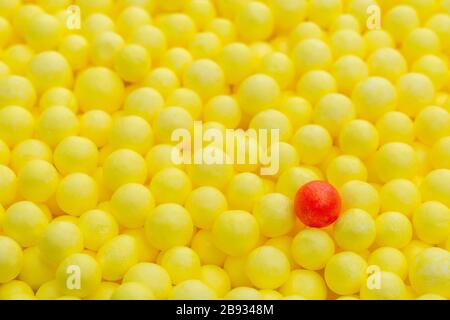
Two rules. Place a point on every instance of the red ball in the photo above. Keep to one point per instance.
(317, 204)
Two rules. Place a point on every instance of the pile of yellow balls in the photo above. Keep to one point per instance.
(92, 205)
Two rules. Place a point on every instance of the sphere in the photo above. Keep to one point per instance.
(345, 273)
(12, 260)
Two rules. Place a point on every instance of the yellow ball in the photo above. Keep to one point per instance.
(315, 84)
(400, 21)
(359, 138)
(96, 126)
(16, 290)
(395, 160)
(97, 227)
(170, 185)
(17, 57)
(103, 292)
(78, 275)
(117, 256)
(324, 12)
(391, 288)
(178, 28)
(419, 42)
(103, 6)
(387, 63)
(345, 168)
(435, 187)
(169, 225)
(181, 263)
(393, 230)
(348, 71)
(151, 275)
(345, 273)
(37, 180)
(237, 62)
(124, 166)
(415, 91)
(211, 174)
(12, 260)
(297, 109)
(104, 47)
(272, 119)
(378, 39)
(164, 80)
(131, 132)
(430, 296)
(43, 31)
(440, 24)
(58, 96)
(431, 222)
(24, 222)
(244, 190)
(192, 290)
(354, 230)
(131, 204)
(333, 111)
(275, 214)
(203, 244)
(202, 12)
(389, 259)
(431, 124)
(254, 21)
(413, 249)
(49, 69)
(56, 123)
(440, 153)
(48, 291)
(170, 119)
(373, 97)
(96, 24)
(75, 154)
(287, 13)
(16, 125)
(59, 240)
(345, 42)
(130, 19)
(279, 66)
(304, 30)
(8, 185)
(434, 67)
(395, 126)
(400, 195)
(75, 48)
(224, 28)
(132, 291)
(152, 39)
(177, 60)
(146, 252)
(216, 278)
(293, 178)
(256, 93)
(160, 157)
(306, 283)
(186, 99)
(429, 273)
(77, 193)
(132, 63)
(312, 248)
(311, 54)
(205, 204)
(223, 109)
(107, 97)
(235, 267)
(35, 271)
(267, 267)
(205, 45)
(235, 232)
(144, 102)
(313, 143)
(243, 293)
(360, 195)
